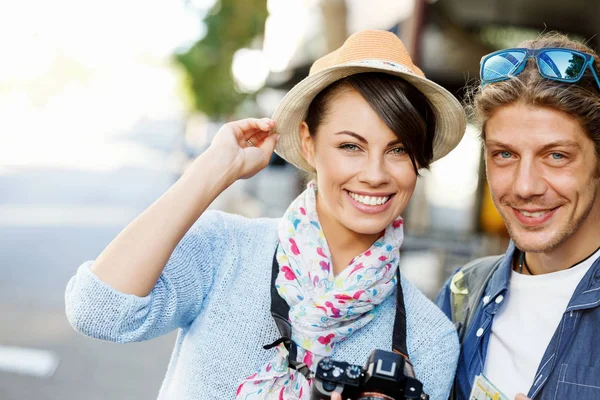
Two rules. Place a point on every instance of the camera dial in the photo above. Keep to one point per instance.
(353, 371)
(326, 364)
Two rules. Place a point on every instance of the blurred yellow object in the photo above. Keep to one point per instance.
(489, 217)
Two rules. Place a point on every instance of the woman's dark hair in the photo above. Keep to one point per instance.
(402, 107)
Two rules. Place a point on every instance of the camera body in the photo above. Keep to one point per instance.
(383, 377)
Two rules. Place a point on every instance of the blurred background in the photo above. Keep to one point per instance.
(104, 104)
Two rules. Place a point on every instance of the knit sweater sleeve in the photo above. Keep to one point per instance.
(96, 309)
(443, 357)
(435, 346)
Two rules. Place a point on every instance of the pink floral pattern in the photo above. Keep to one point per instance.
(324, 309)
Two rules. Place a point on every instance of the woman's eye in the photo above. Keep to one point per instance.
(398, 151)
(349, 147)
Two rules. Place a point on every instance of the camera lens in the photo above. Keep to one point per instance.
(329, 386)
(374, 396)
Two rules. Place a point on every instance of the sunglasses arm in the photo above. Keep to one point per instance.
(595, 74)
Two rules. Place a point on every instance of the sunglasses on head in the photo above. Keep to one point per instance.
(555, 63)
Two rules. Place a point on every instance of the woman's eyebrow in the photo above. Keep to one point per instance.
(354, 135)
(363, 140)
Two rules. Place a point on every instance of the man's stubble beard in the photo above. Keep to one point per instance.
(557, 239)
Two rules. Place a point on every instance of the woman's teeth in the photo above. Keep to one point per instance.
(369, 200)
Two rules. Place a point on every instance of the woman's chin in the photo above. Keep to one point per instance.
(367, 226)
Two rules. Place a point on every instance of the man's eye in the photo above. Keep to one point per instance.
(505, 154)
(557, 156)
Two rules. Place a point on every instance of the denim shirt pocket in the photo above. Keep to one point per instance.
(578, 382)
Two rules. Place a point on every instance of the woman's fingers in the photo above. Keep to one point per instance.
(263, 140)
(261, 152)
(256, 139)
(246, 128)
(268, 144)
(248, 143)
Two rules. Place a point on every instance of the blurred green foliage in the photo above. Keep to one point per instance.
(230, 25)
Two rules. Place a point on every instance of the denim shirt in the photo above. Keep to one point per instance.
(570, 367)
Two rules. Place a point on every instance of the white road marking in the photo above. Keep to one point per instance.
(21, 360)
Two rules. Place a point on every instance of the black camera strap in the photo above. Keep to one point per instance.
(280, 311)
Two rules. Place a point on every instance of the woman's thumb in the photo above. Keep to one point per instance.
(269, 143)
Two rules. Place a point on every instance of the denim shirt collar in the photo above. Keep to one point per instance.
(498, 284)
(587, 294)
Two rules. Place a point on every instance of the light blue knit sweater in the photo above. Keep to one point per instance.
(215, 289)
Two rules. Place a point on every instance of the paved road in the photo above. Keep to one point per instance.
(52, 220)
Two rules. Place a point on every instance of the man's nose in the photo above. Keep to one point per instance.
(528, 180)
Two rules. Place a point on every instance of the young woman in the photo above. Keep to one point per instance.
(363, 122)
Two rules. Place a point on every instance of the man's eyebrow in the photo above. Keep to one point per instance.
(547, 146)
(363, 140)
(489, 142)
(561, 143)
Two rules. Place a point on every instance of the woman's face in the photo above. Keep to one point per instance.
(365, 178)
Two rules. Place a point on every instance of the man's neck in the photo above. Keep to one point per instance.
(545, 263)
(563, 257)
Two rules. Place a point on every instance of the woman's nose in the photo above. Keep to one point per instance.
(374, 172)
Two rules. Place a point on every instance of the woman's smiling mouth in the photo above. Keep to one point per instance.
(369, 200)
(370, 203)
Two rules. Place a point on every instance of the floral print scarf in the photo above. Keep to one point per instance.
(324, 309)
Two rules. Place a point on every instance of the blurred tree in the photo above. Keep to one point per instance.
(230, 26)
(576, 64)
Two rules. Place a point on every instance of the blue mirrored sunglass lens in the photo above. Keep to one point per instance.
(561, 64)
(501, 65)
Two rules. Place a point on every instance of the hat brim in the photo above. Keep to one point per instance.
(293, 108)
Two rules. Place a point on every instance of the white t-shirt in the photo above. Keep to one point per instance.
(523, 327)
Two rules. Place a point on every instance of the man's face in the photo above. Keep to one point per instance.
(542, 171)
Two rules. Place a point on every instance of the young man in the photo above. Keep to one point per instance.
(533, 322)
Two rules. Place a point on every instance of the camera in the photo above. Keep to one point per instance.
(382, 378)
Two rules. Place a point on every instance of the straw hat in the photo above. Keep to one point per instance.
(365, 51)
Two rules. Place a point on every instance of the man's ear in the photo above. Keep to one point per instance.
(308, 144)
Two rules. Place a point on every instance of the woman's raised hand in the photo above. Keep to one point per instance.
(246, 145)
(134, 260)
